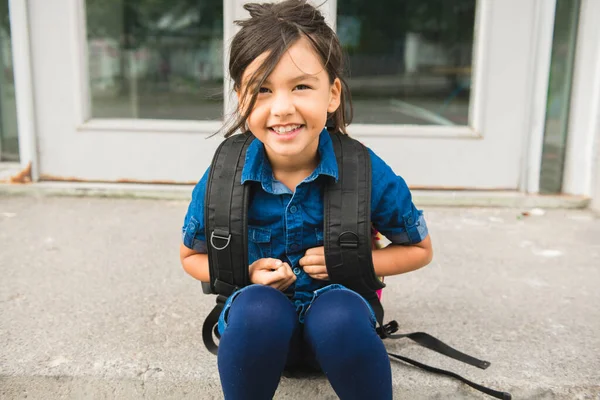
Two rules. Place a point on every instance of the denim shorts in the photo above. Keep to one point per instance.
(302, 311)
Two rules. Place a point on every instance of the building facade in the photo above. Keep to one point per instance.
(462, 94)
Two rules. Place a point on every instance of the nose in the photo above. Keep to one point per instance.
(283, 105)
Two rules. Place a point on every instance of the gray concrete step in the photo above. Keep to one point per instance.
(94, 304)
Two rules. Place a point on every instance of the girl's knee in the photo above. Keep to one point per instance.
(260, 307)
(337, 311)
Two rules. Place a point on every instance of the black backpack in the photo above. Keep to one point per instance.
(347, 241)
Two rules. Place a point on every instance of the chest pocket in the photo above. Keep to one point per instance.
(259, 243)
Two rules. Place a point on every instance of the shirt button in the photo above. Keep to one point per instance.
(293, 209)
(296, 271)
(294, 246)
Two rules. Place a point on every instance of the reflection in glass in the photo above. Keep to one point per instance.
(559, 95)
(410, 60)
(9, 138)
(159, 59)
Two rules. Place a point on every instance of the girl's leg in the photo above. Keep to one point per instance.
(339, 328)
(254, 346)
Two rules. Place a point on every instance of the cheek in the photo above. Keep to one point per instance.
(314, 106)
(320, 112)
(257, 116)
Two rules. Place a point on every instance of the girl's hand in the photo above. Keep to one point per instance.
(313, 263)
(272, 272)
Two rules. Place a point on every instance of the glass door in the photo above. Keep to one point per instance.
(131, 90)
(155, 59)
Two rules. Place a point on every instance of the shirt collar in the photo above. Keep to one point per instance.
(257, 167)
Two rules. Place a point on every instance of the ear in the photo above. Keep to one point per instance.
(335, 96)
(240, 98)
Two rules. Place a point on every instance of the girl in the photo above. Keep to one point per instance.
(287, 64)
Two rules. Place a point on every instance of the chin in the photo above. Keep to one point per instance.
(286, 152)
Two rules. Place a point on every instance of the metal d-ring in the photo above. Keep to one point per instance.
(212, 240)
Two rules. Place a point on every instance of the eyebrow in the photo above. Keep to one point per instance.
(299, 78)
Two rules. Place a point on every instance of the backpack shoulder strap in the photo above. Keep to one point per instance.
(225, 214)
(347, 222)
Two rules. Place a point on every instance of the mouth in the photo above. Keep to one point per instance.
(286, 131)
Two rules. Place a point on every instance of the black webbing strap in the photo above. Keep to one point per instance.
(373, 300)
(432, 343)
(437, 345)
(424, 339)
(347, 219)
(483, 389)
(210, 325)
(226, 229)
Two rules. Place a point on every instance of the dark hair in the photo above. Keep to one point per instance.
(274, 28)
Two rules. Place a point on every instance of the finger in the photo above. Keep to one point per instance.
(282, 274)
(315, 250)
(289, 273)
(267, 263)
(259, 270)
(312, 259)
(277, 285)
(320, 277)
(288, 283)
(273, 263)
(315, 269)
(288, 276)
(264, 277)
(274, 277)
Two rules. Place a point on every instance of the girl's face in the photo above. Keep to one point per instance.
(292, 105)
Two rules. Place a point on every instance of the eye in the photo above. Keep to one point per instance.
(303, 87)
(263, 90)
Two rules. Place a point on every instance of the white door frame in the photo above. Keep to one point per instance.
(534, 142)
(584, 116)
(22, 67)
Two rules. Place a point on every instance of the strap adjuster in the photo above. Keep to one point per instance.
(220, 235)
(348, 240)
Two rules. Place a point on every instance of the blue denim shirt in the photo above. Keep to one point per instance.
(284, 224)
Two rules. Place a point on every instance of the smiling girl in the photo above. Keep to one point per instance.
(287, 68)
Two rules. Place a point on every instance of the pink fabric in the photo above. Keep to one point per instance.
(377, 245)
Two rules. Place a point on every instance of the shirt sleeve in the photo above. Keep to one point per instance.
(392, 210)
(193, 224)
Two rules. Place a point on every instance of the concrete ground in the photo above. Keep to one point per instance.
(94, 304)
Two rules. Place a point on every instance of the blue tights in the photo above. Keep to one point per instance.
(263, 336)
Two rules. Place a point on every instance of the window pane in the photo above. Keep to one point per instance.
(559, 95)
(9, 138)
(160, 59)
(410, 60)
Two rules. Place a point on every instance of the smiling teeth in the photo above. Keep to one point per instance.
(285, 129)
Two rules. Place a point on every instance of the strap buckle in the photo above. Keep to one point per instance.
(220, 235)
(386, 330)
